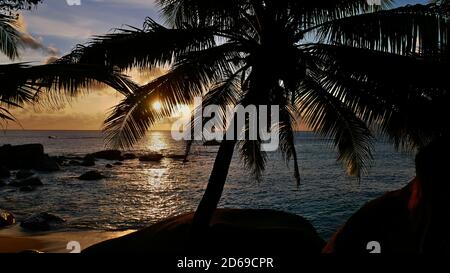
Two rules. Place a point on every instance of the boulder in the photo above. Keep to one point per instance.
(151, 157)
(107, 155)
(264, 233)
(23, 174)
(27, 189)
(48, 164)
(118, 163)
(91, 176)
(108, 166)
(88, 162)
(75, 163)
(31, 181)
(176, 157)
(42, 222)
(22, 156)
(4, 172)
(30, 156)
(129, 156)
(6, 218)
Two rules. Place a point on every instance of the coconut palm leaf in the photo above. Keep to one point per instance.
(10, 37)
(327, 115)
(150, 47)
(406, 30)
(186, 80)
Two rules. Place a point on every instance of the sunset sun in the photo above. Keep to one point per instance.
(157, 106)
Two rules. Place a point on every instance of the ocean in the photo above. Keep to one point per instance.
(138, 194)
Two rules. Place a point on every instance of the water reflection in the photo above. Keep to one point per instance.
(157, 141)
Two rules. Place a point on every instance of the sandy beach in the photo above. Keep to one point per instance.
(13, 240)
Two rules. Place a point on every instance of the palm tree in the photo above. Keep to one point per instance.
(348, 69)
(23, 83)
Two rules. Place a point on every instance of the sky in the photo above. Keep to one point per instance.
(54, 28)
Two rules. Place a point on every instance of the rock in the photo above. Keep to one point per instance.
(31, 181)
(118, 164)
(109, 166)
(23, 174)
(47, 164)
(388, 220)
(26, 189)
(232, 232)
(92, 175)
(176, 157)
(88, 162)
(59, 159)
(22, 156)
(6, 218)
(42, 222)
(4, 172)
(129, 156)
(30, 156)
(151, 157)
(107, 155)
(75, 163)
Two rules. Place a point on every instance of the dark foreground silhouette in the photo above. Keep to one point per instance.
(231, 232)
(414, 219)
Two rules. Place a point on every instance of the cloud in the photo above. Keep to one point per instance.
(33, 43)
(37, 44)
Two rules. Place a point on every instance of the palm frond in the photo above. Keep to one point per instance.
(187, 79)
(59, 81)
(419, 29)
(328, 116)
(10, 37)
(289, 117)
(150, 47)
(253, 157)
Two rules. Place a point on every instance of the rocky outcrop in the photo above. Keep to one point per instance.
(6, 218)
(232, 232)
(112, 155)
(129, 156)
(23, 174)
(88, 162)
(151, 157)
(176, 157)
(386, 221)
(91, 176)
(4, 172)
(30, 156)
(27, 189)
(42, 222)
(31, 181)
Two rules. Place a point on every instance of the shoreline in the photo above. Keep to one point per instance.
(13, 240)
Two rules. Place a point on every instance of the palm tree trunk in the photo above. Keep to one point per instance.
(213, 193)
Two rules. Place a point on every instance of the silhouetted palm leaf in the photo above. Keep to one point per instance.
(10, 37)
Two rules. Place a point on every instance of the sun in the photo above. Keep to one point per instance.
(157, 106)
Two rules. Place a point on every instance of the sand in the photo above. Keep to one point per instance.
(14, 240)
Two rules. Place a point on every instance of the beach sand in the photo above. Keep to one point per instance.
(14, 240)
